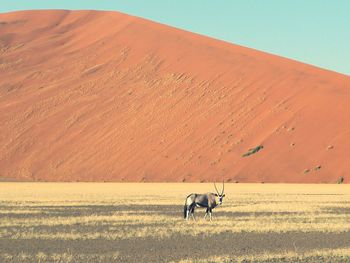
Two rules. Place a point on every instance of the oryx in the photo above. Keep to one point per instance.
(208, 201)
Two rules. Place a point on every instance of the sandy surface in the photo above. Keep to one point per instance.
(102, 96)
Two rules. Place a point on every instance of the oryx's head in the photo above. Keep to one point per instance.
(222, 195)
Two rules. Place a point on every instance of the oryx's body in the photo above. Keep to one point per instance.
(208, 201)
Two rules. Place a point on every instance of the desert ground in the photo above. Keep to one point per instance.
(143, 222)
(105, 96)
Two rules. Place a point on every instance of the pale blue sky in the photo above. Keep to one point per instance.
(313, 31)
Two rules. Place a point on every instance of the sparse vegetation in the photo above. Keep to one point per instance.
(340, 180)
(253, 150)
(81, 222)
(318, 167)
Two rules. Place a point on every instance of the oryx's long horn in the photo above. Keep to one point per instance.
(223, 187)
(216, 189)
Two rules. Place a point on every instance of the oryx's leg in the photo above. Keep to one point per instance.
(192, 207)
(206, 213)
(186, 212)
(192, 214)
(187, 207)
(210, 217)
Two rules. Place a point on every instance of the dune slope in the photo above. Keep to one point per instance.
(103, 96)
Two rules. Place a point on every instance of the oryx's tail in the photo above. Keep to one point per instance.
(185, 211)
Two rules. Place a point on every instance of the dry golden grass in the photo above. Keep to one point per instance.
(77, 212)
(287, 256)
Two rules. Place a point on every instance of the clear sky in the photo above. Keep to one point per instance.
(313, 31)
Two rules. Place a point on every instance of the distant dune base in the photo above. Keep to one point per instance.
(103, 96)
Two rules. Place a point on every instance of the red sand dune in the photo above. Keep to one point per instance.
(103, 96)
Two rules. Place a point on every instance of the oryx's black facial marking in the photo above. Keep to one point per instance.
(220, 198)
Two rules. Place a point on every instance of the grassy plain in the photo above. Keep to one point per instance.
(111, 222)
